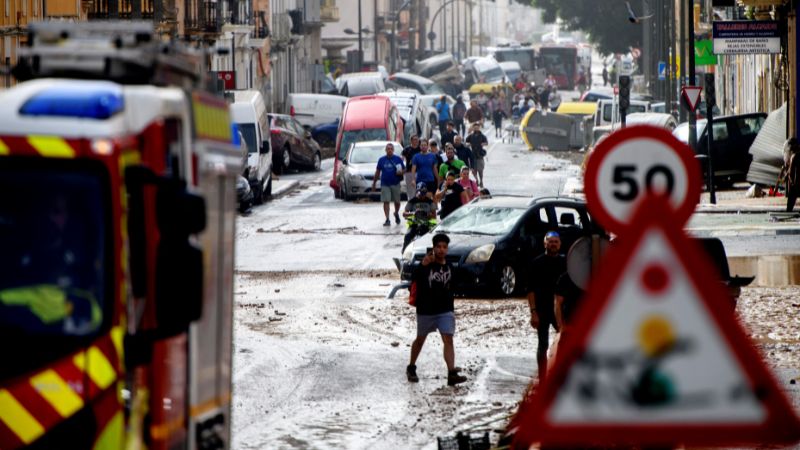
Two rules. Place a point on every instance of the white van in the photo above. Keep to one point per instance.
(413, 112)
(316, 109)
(608, 111)
(249, 113)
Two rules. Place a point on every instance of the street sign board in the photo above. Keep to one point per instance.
(692, 96)
(656, 356)
(662, 70)
(704, 53)
(633, 162)
(746, 37)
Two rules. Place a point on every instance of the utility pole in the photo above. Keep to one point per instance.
(458, 32)
(444, 28)
(682, 65)
(375, 30)
(647, 50)
(480, 27)
(453, 26)
(670, 11)
(421, 26)
(690, 55)
(360, 49)
(412, 35)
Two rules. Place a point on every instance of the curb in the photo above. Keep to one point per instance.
(283, 188)
(760, 231)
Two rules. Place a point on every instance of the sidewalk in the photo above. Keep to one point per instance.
(735, 201)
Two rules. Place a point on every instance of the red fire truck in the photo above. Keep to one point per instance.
(117, 220)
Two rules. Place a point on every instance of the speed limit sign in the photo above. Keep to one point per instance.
(633, 163)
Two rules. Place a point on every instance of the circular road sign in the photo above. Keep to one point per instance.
(633, 163)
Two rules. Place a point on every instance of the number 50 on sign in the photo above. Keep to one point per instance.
(634, 162)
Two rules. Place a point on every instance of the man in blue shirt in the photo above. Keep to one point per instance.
(390, 169)
(443, 108)
(425, 167)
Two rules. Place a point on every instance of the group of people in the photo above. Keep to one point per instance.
(447, 178)
(529, 96)
(552, 299)
(493, 106)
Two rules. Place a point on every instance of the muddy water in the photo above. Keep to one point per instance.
(769, 270)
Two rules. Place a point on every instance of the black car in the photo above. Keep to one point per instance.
(730, 151)
(492, 240)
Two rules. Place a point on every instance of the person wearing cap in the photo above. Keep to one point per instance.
(420, 214)
(544, 272)
(425, 167)
(435, 308)
(390, 169)
(450, 195)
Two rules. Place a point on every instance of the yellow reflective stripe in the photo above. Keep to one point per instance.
(111, 436)
(57, 392)
(51, 146)
(18, 419)
(117, 335)
(4, 148)
(99, 369)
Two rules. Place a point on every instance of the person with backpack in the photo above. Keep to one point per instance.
(459, 113)
(433, 299)
(443, 110)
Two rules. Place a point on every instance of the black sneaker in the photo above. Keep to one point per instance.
(397, 218)
(453, 378)
(411, 373)
(387, 223)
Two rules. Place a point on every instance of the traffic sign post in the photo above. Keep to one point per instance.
(655, 356)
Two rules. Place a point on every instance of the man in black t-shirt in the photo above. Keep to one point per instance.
(567, 298)
(545, 270)
(435, 310)
(451, 195)
(449, 135)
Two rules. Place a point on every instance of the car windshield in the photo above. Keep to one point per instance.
(363, 154)
(489, 71)
(249, 132)
(351, 137)
(474, 219)
(54, 263)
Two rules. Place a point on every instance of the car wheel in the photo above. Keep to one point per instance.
(324, 141)
(507, 281)
(344, 194)
(316, 163)
(285, 160)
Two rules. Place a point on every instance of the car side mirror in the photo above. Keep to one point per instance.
(344, 162)
(265, 147)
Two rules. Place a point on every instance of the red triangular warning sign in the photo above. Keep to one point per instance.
(656, 356)
(692, 96)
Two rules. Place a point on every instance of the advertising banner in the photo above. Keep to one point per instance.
(746, 37)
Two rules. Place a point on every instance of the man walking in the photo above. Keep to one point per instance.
(477, 141)
(435, 309)
(474, 114)
(545, 271)
(463, 152)
(390, 169)
(425, 167)
(443, 109)
(449, 134)
(408, 155)
(459, 112)
(451, 163)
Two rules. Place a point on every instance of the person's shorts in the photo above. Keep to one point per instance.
(445, 323)
(430, 186)
(390, 193)
(480, 164)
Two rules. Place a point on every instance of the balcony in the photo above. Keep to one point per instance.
(329, 12)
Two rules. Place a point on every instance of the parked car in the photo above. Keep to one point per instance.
(442, 68)
(420, 84)
(416, 120)
(730, 151)
(367, 118)
(244, 195)
(315, 109)
(493, 239)
(358, 169)
(595, 94)
(294, 146)
(325, 134)
(608, 111)
(481, 74)
(249, 113)
(360, 83)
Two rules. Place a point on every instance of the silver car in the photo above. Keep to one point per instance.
(358, 168)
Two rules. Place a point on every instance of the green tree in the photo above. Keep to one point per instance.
(605, 21)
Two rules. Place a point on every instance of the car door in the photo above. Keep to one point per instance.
(721, 152)
(303, 151)
(570, 222)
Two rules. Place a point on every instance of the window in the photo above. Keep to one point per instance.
(568, 217)
(749, 125)
(720, 130)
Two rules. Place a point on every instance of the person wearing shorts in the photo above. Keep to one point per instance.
(390, 169)
(435, 311)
